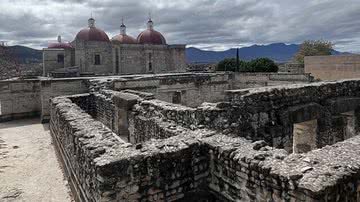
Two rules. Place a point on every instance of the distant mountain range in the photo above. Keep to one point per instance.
(278, 52)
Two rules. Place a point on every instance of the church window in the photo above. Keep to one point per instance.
(60, 58)
(176, 99)
(97, 59)
(150, 67)
(150, 63)
(117, 60)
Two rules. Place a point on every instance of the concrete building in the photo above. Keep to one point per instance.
(93, 53)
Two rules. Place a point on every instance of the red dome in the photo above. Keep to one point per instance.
(124, 39)
(151, 36)
(92, 34)
(60, 45)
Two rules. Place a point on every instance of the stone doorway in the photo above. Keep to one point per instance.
(304, 136)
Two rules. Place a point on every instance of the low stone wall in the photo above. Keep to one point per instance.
(243, 171)
(30, 97)
(104, 109)
(296, 68)
(58, 87)
(102, 167)
(176, 161)
(187, 89)
(267, 114)
(259, 79)
(272, 111)
(19, 99)
(79, 140)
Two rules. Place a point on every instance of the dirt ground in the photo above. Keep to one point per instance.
(29, 169)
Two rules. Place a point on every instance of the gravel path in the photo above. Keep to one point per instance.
(29, 169)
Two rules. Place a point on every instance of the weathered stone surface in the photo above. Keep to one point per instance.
(131, 146)
(177, 152)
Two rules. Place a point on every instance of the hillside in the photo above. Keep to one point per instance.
(19, 61)
(25, 55)
(278, 52)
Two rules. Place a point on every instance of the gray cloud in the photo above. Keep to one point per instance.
(211, 24)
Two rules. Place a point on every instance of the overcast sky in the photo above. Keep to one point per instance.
(207, 24)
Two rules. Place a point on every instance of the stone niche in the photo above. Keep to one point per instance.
(304, 136)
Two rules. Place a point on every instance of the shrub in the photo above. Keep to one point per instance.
(256, 65)
(263, 65)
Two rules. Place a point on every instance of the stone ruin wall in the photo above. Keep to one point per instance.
(58, 87)
(260, 79)
(104, 167)
(274, 110)
(204, 87)
(267, 114)
(198, 159)
(19, 99)
(30, 97)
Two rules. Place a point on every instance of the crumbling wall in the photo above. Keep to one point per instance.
(193, 159)
(58, 87)
(242, 80)
(271, 111)
(21, 98)
(267, 114)
(79, 140)
(163, 170)
(102, 167)
(241, 170)
(244, 171)
(104, 109)
(192, 89)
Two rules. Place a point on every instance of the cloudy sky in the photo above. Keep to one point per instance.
(207, 24)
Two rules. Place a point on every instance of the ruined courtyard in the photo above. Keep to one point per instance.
(179, 101)
(195, 136)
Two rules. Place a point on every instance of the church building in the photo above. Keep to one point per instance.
(93, 53)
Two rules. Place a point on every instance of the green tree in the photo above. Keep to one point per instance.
(263, 65)
(312, 48)
(256, 65)
(227, 64)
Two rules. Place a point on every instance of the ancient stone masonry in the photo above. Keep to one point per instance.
(19, 99)
(272, 111)
(30, 97)
(236, 150)
(165, 138)
(268, 114)
(116, 170)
